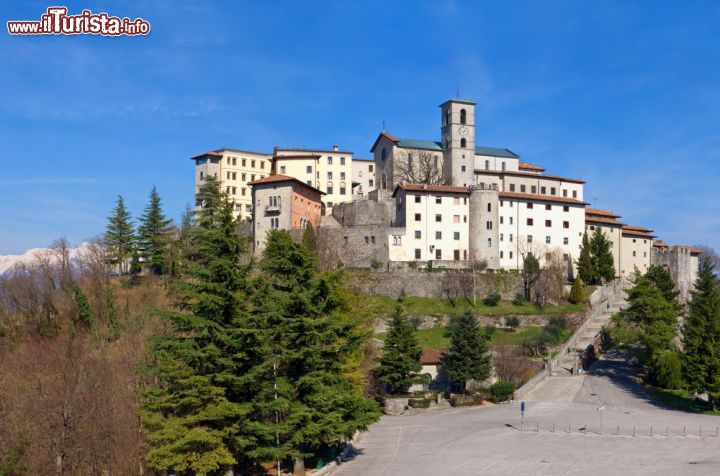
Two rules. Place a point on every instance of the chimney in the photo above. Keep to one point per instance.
(336, 147)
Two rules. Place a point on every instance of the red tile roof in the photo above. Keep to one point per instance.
(602, 220)
(391, 137)
(277, 178)
(214, 153)
(542, 198)
(304, 149)
(432, 356)
(515, 173)
(691, 249)
(218, 153)
(639, 231)
(297, 156)
(421, 187)
(529, 166)
(600, 211)
(637, 228)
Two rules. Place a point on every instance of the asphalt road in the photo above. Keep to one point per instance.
(489, 441)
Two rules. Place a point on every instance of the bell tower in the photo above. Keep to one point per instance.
(458, 142)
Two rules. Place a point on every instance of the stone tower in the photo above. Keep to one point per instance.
(484, 225)
(458, 142)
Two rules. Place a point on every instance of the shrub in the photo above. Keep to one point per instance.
(490, 330)
(512, 322)
(502, 391)
(577, 293)
(402, 296)
(492, 299)
(519, 299)
(466, 400)
(375, 264)
(667, 371)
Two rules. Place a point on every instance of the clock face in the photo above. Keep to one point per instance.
(463, 130)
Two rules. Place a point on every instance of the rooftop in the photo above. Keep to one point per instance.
(304, 149)
(432, 356)
(529, 166)
(219, 153)
(278, 178)
(517, 173)
(603, 220)
(421, 187)
(542, 198)
(423, 144)
(600, 212)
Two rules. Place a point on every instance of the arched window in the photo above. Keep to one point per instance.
(463, 143)
(487, 165)
(463, 116)
(383, 154)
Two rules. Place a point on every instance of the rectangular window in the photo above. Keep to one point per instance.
(262, 164)
(512, 187)
(502, 220)
(309, 182)
(529, 222)
(342, 160)
(510, 237)
(438, 254)
(488, 225)
(574, 193)
(244, 162)
(456, 200)
(329, 160)
(456, 255)
(329, 190)
(282, 169)
(533, 189)
(367, 240)
(252, 177)
(511, 254)
(417, 253)
(529, 238)
(548, 206)
(308, 169)
(564, 192)
(438, 200)
(548, 223)
(547, 240)
(566, 208)
(417, 217)
(502, 236)
(342, 175)
(489, 207)
(370, 183)
(530, 206)
(566, 224)
(462, 169)
(438, 235)
(372, 239)
(418, 234)
(417, 198)
(456, 235)
(543, 190)
(634, 253)
(244, 177)
(252, 164)
(342, 190)
(438, 218)
(489, 241)
(511, 220)
(552, 190)
(456, 218)
(370, 168)
(522, 188)
(329, 175)
(501, 255)
(566, 241)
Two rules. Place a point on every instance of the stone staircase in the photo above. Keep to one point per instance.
(586, 335)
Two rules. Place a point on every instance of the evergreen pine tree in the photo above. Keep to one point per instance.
(577, 293)
(602, 259)
(701, 333)
(664, 282)
(305, 399)
(468, 357)
(647, 325)
(530, 273)
(120, 236)
(584, 263)
(195, 416)
(153, 234)
(400, 361)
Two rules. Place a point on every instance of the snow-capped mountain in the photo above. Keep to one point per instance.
(8, 262)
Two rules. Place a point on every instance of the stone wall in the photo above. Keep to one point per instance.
(365, 213)
(436, 284)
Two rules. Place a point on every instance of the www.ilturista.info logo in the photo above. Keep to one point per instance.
(56, 21)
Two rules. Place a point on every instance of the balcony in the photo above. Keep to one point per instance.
(277, 208)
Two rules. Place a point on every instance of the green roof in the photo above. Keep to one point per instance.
(433, 145)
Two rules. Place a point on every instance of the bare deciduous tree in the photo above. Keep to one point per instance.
(511, 364)
(419, 166)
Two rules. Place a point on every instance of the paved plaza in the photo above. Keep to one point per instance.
(562, 434)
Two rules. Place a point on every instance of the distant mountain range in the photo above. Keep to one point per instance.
(8, 262)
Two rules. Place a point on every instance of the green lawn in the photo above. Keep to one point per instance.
(679, 399)
(434, 338)
(417, 306)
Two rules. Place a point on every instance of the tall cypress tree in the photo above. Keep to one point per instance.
(120, 236)
(468, 357)
(701, 332)
(585, 262)
(400, 361)
(153, 234)
(603, 266)
(195, 416)
(305, 399)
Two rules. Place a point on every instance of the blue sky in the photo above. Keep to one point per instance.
(622, 94)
